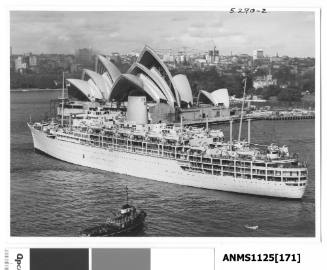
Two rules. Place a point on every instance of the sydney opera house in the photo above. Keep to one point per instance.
(148, 77)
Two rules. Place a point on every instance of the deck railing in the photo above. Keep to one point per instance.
(223, 165)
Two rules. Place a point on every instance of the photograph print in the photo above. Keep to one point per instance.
(163, 123)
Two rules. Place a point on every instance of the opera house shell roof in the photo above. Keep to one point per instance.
(216, 98)
(148, 76)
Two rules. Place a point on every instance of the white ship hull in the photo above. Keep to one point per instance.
(156, 168)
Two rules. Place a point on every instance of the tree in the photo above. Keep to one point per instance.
(308, 81)
(270, 91)
(289, 94)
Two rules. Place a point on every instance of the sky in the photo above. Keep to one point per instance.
(284, 32)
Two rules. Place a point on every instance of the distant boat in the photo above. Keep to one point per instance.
(255, 227)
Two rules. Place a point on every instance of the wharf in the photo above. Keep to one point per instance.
(217, 120)
(204, 121)
(293, 117)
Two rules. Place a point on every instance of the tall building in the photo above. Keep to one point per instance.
(85, 57)
(214, 55)
(258, 54)
(32, 61)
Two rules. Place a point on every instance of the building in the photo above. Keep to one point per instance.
(200, 62)
(204, 113)
(213, 56)
(217, 98)
(85, 57)
(94, 85)
(276, 59)
(210, 106)
(20, 64)
(264, 81)
(149, 77)
(169, 58)
(32, 60)
(258, 54)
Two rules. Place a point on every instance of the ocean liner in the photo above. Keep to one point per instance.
(197, 157)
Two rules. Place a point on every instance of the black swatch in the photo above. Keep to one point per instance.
(59, 259)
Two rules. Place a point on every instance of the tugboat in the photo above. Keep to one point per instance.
(126, 221)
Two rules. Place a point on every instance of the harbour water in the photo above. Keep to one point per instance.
(54, 198)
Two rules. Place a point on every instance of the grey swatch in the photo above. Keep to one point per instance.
(121, 259)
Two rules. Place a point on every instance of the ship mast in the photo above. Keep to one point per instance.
(62, 98)
(240, 128)
(249, 130)
(207, 123)
(231, 133)
(126, 190)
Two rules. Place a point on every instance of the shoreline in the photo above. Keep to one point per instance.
(34, 89)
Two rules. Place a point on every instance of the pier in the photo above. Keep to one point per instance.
(293, 117)
(218, 120)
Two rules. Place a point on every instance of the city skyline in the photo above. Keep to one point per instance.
(288, 33)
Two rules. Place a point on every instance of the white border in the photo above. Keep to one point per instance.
(156, 242)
